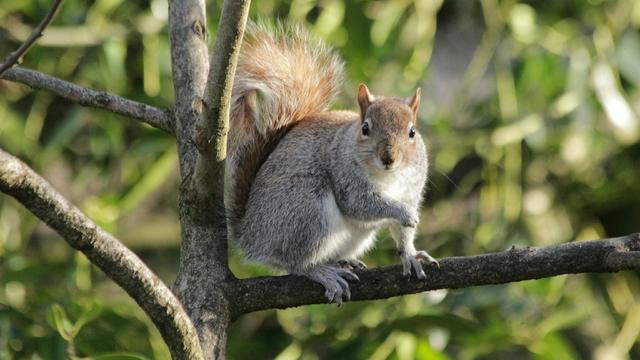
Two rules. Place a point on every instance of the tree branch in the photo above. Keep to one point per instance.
(606, 255)
(16, 56)
(189, 64)
(211, 131)
(104, 250)
(94, 98)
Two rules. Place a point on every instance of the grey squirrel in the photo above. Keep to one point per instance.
(309, 188)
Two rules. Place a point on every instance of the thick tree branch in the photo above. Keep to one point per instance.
(16, 56)
(94, 98)
(211, 131)
(104, 250)
(189, 64)
(606, 255)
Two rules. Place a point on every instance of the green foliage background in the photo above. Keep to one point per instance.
(531, 113)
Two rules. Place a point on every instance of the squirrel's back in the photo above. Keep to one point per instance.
(283, 76)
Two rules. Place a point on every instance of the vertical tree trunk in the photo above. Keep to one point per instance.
(201, 130)
(201, 282)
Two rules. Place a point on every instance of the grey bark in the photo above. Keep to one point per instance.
(211, 131)
(94, 98)
(606, 255)
(204, 275)
(197, 271)
(105, 251)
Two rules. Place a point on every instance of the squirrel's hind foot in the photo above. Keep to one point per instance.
(414, 263)
(334, 280)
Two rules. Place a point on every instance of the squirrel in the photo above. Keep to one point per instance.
(310, 188)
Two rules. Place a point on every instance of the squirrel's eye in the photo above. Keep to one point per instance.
(365, 128)
(412, 132)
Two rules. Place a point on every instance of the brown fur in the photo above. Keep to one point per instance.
(283, 76)
(390, 120)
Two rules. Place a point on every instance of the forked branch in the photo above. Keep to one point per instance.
(606, 255)
(94, 98)
(105, 251)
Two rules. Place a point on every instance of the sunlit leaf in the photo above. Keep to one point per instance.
(92, 312)
(57, 318)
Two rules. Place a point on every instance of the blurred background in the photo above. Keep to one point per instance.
(531, 114)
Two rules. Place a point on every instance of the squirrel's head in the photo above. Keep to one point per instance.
(387, 129)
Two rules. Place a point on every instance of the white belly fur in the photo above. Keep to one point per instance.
(349, 238)
(398, 185)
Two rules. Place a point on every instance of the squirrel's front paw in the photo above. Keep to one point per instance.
(413, 262)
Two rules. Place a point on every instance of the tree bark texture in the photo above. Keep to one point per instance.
(94, 98)
(515, 264)
(188, 35)
(201, 127)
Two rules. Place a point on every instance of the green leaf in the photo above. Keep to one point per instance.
(58, 319)
(89, 314)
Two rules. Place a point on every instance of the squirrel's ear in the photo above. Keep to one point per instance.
(364, 99)
(414, 102)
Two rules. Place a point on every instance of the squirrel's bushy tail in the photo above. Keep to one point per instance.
(283, 75)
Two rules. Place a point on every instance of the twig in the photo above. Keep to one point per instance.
(16, 56)
(105, 251)
(94, 98)
(606, 255)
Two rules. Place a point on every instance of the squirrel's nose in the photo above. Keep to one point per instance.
(386, 158)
